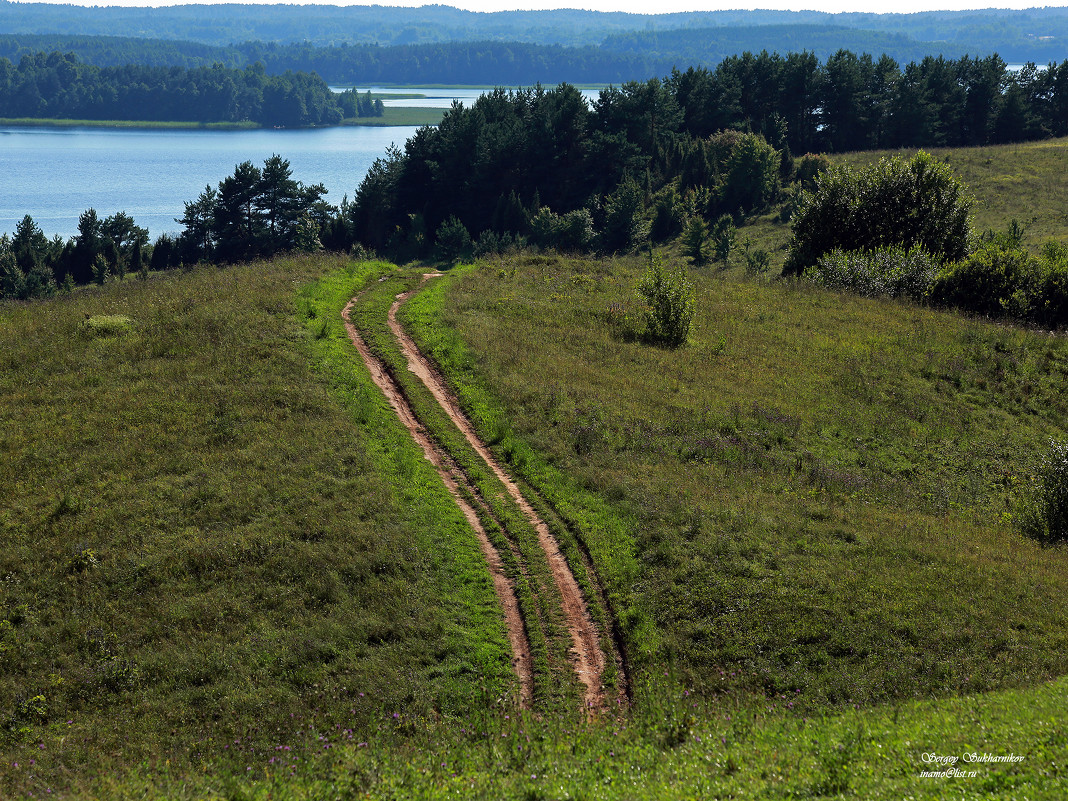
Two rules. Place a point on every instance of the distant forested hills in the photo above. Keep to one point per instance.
(57, 86)
(504, 63)
(1037, 34)
(622, 57)
(707, 46)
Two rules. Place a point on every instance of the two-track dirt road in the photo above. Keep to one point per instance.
(587, 653)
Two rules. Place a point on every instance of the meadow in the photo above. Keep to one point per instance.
(212, 549)
(229, 573)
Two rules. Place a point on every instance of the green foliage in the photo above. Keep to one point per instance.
(101, 270)
(752, 175)
(306, 236)
(254, 212)
(1003, 279)
(907, 202)
(809, 167)
(990, 281)
(1043, 512)
(669, 214)
(756, 259)
(884, 272)
(695, 242)
(624, 227)
(569, 233)
(724, 237)
(59, 85)
(670, 304)
(453, 241)
(492, 243)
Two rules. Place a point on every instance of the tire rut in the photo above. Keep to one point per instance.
(588, 658)
(454, 478)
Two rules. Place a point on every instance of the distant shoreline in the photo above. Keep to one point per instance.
(393, 117)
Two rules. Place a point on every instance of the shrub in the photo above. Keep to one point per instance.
(752, 175)
(1049, 306)
(695, 242)
(809, 168)
(670, 304)
(571, 233)
(756, 259)
(994, 280)
(724, 235)
(910, 202)
(624, 227)
(453, 240)
(669, 214)
(491, 243)
(888, 272)
(1044, 511)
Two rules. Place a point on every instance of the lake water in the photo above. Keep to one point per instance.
(54, 174)
(443, 98)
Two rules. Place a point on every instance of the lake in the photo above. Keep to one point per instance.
(54, 174)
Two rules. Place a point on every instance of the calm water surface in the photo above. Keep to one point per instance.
(54, 174)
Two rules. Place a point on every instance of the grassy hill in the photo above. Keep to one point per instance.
(227, 572)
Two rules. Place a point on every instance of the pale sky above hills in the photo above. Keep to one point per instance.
(645, 7)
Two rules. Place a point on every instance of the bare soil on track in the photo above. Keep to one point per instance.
(587, 655)
(453, 479)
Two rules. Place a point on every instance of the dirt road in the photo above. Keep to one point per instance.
(453, 479)
(588, 658)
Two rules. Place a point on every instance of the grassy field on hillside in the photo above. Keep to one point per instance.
(227, 572)
(213, 552)
(1024, 181)
(819, 486)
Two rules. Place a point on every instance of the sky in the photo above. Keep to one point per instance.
(660, 7)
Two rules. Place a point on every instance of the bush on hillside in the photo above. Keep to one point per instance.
(570, 233)
(453, 240)
(1049, 306)
(883, 272)
(995, 280)
(905, 202)
(1044, 511)
(670, 304)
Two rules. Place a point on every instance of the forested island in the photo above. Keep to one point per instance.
(59, 86)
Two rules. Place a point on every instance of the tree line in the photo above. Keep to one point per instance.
(58, 86)
(255, 212)
(541, 164)
(479, 62)
(619, 58)
(646, 161)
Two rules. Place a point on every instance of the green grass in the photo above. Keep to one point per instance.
(401, 116)
(211, 549)
(1025, 181)
(677, 749)
(817, 488)
(555, 685)
(216, 536)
